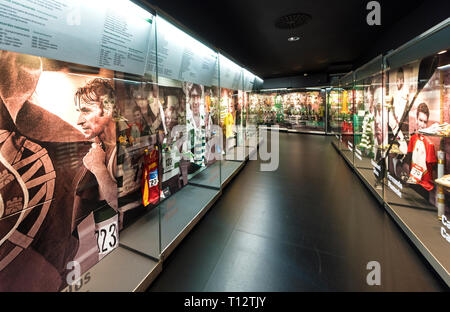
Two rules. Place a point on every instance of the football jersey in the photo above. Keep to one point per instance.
(368, 130)
(229, 122)
(423, 159)
(170, 162)
(199, 146)
(150, 180)
(197, 138)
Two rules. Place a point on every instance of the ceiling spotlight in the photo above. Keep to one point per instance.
(294, 38)
(305, 74)
(442, 52)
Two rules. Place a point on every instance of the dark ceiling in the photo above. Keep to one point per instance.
(245, 30)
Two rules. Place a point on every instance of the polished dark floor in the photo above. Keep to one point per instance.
(309, 226)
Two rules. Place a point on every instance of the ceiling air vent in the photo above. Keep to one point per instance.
(292, 21)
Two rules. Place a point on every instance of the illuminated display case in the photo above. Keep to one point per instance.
(292, 110)
(370, 144)
(110, 153)
(347, 117)
(334, 104)
(401, 141)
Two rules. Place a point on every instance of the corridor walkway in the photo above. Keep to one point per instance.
(309, 226)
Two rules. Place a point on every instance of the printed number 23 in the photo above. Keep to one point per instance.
(102, 238)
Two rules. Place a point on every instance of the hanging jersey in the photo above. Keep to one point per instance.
(223, 110)
(423, 159)
(197, 137)
(199, 146)
(229, 122)
(150, 180)
(170, 162)
(368, 130)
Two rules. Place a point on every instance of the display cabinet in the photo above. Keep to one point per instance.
(417, 163)
(111, 152)
(293, 110)
(334, 103)
(348, 118)
(402, 154)
(369, 143)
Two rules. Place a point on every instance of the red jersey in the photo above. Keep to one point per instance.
(150, 181)
(423, 159)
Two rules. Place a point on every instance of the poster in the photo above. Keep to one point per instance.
(58, 159)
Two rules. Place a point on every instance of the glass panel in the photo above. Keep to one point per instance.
(187, 114)
(138, 156)
(73, 133)
(255, 117)
(334, 105)
(235, 149)
(349, 118)
(304, 110)
(369, 132)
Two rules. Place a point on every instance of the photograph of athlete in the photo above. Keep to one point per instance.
(95, 104)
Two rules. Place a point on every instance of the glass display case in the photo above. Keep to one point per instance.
(401, 138)
(369, 141)
(232, 118)
(348, 118)
(74, 132)
(334, 104)
(304, 110)
(110, 153)
(292, 110)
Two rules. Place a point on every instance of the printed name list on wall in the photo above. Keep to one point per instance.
(181, 57)
(230, 74)
(112, 35)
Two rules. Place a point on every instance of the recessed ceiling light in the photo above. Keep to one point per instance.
(294, 38)
(442, 52)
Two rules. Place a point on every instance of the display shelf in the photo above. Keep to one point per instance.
(365, 175)
(420, 225)
(143, 235)
(198, 172)
(424, 229)
(274, 128)
(368, 177)
(409, 198)
(181, 212)
(178, 214)
(237, 153)
(348, 155)
(306, 131)
(209, 176)
(121, 271)
(229, 169)
(364, 163)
